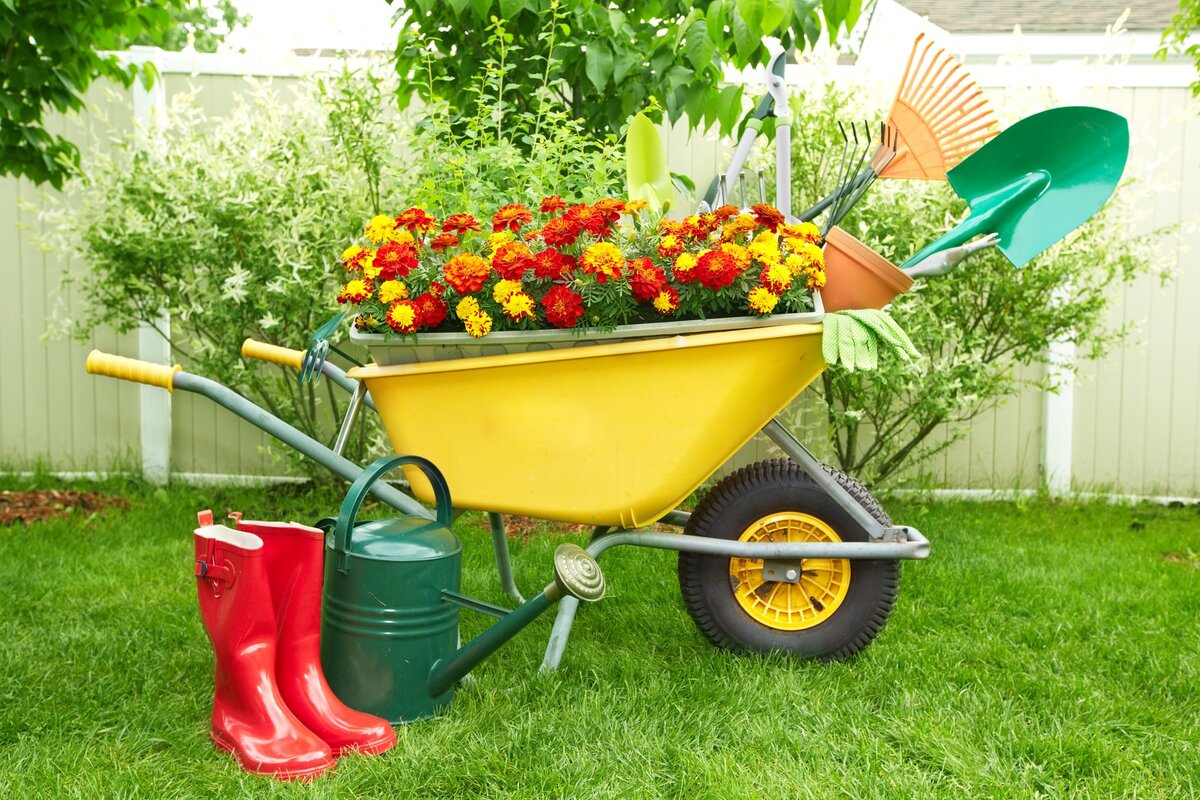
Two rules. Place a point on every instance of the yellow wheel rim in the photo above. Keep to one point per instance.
(814, 598)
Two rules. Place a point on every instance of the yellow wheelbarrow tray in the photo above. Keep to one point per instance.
(614, 435)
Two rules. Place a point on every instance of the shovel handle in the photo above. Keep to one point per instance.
(131, 369)
(272, 353)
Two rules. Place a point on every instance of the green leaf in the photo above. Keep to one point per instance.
(729, 107)
(698, 47)
(509, 9)
(714, 20)
(646, 170)
(763, 17)
(745, 41)
(599, 64)
(623, 62)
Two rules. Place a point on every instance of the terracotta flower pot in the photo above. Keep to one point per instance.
(858, 277)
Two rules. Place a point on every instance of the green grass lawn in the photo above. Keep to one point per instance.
(1042, 651)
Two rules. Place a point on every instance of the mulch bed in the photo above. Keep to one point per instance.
(42, 504)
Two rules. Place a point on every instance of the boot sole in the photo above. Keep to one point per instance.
(308, 773)
(369, 749)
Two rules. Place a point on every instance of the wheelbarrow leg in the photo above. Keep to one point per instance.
(503, 564)
(564, 618)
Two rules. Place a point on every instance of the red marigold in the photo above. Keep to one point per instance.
(436, 289)
(716, 269)
(404, 317)
(645, 279)
(395, 260)
(587, 218)
(725, 212)
(460, 223)
(511, 260)
(700, 226)
(610, 208)
(563, 307)
(444, 241)
(670, 245)
(767, 215)
(560, 232)
(511, 217)
(552, 265)
(552, 204)
(466, 273)
(415, 219)
(430, 310)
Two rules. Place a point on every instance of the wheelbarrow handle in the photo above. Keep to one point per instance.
(272, 353)
(131, 369)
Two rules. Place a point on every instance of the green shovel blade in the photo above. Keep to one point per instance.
(1039, 180)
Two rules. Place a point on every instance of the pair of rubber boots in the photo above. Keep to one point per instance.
(260, 600)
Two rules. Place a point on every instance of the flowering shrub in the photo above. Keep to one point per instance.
(567, 266)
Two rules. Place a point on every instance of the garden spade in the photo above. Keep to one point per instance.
(1038, 181)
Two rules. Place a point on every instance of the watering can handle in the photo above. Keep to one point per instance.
(362, 484)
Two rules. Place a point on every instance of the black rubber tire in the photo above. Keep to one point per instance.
(734, 504)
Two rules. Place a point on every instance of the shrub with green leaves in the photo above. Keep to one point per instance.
(976, 326)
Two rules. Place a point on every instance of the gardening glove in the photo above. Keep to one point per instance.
(854, 339)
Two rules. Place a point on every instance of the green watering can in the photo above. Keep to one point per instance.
(1038, 181)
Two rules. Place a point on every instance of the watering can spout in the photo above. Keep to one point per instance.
(576, 574)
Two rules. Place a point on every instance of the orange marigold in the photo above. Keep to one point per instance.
(552, 204)
(602, 259)
(466, 273)
(767, 215)
(444, 241)
(460, 223)
(511, 260)
(415, 219)
(511, 217)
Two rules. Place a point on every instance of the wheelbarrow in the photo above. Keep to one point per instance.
(786, 555)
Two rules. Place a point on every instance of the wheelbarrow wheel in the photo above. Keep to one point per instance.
(833, 609)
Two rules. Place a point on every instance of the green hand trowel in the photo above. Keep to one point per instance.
(1038, 181)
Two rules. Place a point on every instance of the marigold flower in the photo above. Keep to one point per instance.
(504, 289)
(560, 232)
(645, 279)
(587, 218)
(436, 289)
(761, 301)
(466, 307)
(552, 204)
(430, 310)
(795, 264)
(365, 322)
(370, 271)
(460, 223)
(400, 235)
(814, 278)
(518, 306)
(767, 215)
(667, 301)
(511, 259)
(725, 212)
(811, 255)
(529, 236)
(497, 239)
(563, 307)
(777, 277)
(415, 219)
(635, 207)
(740, 255)
(742, 223)
(716, 269)
(355, 257)
(444, 241)
(609, 208)
(552, 265)
(478, 324)
(395, 260)
(403, 317)
(511, 217)
(602, 259)
(670, 246)
(670, 227)
(378, 228)
(699, 226)
(391, 291)
(685, 267)
(466, 273)
(356, 291)
(805, 231)
(765, 247)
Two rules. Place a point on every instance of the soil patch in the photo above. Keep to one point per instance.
(41, 504)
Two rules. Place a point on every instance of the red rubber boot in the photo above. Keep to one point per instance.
(294, 556)
(249, 718)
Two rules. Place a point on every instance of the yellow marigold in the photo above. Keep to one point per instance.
(816, 278)
(761, 300)
(635, 206)
(685, 263)
(402, 317)
(353, 258)
(391, 291)
(602, 259)
(666, 301)
(398, 234)
(497, 239)
(795, 264)
(355, 291)
(478, 324)
(742, 223)
(805, 231)
(777, 278)
(379, 228)
(811, 254)
(504, 289)
(741, 255)
(466, 307)
(765, 248)
(518, 306)
(369, 270)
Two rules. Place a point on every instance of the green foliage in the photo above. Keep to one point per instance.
(606, 61)
(977, 326)
(53, 53)
(200, 24)
(1174, 38)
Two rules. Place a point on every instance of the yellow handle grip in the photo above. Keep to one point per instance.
(130, 369)
(284, 356)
